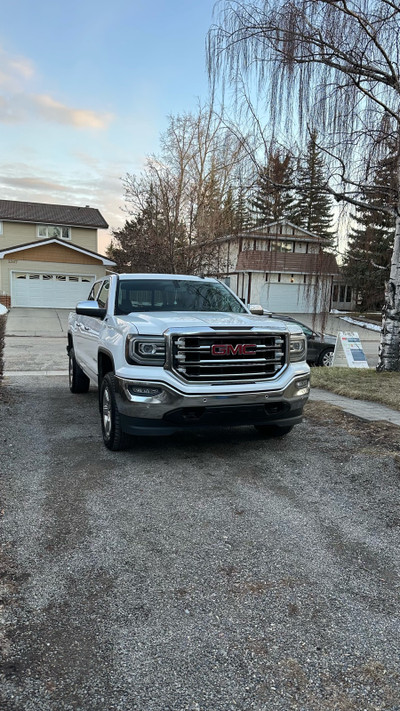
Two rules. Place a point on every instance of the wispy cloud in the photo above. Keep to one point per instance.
(54, 110)
(19, 104)
(33, 184)
(15, 70)
(22, 67)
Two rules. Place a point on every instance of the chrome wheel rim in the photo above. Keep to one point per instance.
(70, 371)
(107, 415)
(327, 360)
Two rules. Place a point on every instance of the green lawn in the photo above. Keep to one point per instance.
(359, 384)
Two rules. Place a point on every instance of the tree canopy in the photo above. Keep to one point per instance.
(333, 65)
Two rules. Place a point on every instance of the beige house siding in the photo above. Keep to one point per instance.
(16, 233)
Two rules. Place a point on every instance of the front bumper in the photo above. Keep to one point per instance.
(149, 407)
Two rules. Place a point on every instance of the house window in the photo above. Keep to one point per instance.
(335, 292)
(342, 293)
(103, 295)
(281, 246)
(348, 294)
(53, 231)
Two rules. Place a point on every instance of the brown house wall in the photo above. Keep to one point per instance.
(55, 253)
(287, 262)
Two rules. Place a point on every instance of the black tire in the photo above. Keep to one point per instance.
(113, 436)
(78, 380)
(273, 430)
(326, 357)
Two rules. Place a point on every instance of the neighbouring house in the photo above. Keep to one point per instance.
(284, 268)
(48, 253)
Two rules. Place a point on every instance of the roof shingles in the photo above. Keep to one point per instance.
(43, 213)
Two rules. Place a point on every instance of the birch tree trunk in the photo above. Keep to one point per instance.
(389, 347)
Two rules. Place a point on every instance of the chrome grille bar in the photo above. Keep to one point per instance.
(223, 356)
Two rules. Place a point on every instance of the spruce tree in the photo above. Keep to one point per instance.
(273, 198)
(313, 208)
(367, 261)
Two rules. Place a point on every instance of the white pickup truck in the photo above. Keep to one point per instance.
(171, 352)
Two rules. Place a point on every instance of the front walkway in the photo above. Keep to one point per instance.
(371, 411)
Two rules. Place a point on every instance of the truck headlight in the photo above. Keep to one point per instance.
(145, 350)
(298, 348)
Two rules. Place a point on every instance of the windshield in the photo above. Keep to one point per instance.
(174, 295)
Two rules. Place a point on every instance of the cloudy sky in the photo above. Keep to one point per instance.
(85, 89)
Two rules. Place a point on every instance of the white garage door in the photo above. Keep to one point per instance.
(289, 298)
(38, 290)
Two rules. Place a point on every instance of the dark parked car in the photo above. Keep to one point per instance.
(319, 347)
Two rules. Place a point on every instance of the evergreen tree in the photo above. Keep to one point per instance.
(272, 199)
(313, 207)
(236, 215)
(144, 244)
(367, 261)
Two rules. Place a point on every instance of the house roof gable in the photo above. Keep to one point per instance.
(43, 213)
(54, 240)
(261, 231)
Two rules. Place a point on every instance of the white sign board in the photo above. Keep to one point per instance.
(349, 352)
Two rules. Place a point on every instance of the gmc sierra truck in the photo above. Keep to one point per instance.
(171, 353)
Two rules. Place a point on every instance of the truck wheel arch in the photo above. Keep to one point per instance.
(105, 364)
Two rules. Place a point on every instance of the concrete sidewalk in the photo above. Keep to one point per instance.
(366, 410)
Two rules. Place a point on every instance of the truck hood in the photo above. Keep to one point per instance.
(156, 322)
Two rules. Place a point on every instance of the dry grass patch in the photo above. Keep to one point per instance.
(374, 438)
(359, 384)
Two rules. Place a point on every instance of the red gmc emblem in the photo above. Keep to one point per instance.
(225, 349)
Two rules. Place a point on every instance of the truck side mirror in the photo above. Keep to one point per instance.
(90, 308)
(256, 309)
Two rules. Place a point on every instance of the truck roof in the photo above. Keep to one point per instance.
(171, 277)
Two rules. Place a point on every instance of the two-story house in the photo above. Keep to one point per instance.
(283, 267)
(48, 253)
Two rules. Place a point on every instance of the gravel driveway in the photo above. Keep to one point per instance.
(200, 572)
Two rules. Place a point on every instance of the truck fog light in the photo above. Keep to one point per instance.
(144, 391)
(302, 383)
(303, 386)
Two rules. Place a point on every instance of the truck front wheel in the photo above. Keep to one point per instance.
(78, 380)
(113, 436)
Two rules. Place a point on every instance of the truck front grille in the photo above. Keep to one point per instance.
(228, 356)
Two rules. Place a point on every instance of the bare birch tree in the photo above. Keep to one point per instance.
(334, 65)
(189, 186)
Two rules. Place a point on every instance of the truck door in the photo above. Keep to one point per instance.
(91, 331)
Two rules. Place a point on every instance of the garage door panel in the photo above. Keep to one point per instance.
(49, 290)
(290, 298)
